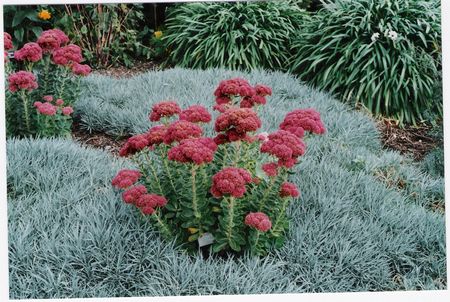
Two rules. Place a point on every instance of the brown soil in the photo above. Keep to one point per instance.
(97, 140)
(413, 141)
(125, 72)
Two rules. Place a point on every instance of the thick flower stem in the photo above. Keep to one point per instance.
(266, 194)
(164, 228)
(63, 83)
(237, 153)
(46, 69)
(255, 245)
(167, 168)
(25, 110)
(155, 175)
(229, 230)
(225, 155)
(194, 192)
(280, 217)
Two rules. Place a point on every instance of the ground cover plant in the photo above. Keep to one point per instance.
(383, 54)
(238, 189)
(352, 228)
(43, 80)
(241, 35)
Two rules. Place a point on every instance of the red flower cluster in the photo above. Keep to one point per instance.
(48, 98)
(259, 98)
(196, 150)
(285, 146)
(196, 114)
(148, 202)
(134, 144)
(67, 55)
(22, 80)
(126, 178)
(59, 102)
(52, 39)
(67, 110)
(301, 120)
(179, 130)
(289, 189)
(132, 195)
(233, 87)
(230, 181)
(164, 109)
(263, 90)
(30, 52)
(45, 108)
(81, 69)
(8, 45)
(271, 169)
(238, 121)
(155, 135)
(259, 221)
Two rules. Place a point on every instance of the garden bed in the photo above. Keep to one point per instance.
(365, 220)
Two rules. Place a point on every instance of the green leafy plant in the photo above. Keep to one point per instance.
(382, 54)
(26, 22)
(49, 70)
(242, 35)
(232, 190)
(108, 33)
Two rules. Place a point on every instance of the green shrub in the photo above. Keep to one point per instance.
(108, 33)
(241, 35)
(384, 54)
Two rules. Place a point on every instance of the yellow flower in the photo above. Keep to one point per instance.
(158, 34)
(44, 14)
(192, 230)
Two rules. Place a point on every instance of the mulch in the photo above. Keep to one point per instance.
(97, 140)
(128, 72)
(414, 141)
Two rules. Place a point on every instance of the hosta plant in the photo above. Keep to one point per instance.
(380, 53)
(48, 69)
(232, 190)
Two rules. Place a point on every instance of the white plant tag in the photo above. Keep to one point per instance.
(205, 239)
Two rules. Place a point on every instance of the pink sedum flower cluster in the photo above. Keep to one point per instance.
(81, 69)
(22, 80)
(285, 146)
(230, 181)
(164, 110)
(301, 120)
(126, 178)
(146, 202)
(7, 40)
(30, 52)
(52, 39)
(235, 124)
(259, 221)
(195, 150)
(196, 114)
(271, 169)
(289, 189)
(50, 109)
(180, 130)
(67, 55)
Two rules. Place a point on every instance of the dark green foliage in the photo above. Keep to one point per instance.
(394, 77)
(108, 33)
(22, 22)
(242, 35)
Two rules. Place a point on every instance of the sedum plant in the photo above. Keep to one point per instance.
(49, 69)
(232, 190)
(382, 54)
(241, 35)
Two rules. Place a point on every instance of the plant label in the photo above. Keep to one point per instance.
(205, 239)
